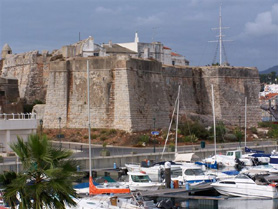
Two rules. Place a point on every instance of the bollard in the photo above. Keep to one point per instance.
(167, 166)
(172, 185)
(115, 166)
(187, 186)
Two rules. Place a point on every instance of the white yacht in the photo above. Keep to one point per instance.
(156, 171)
(194, 176)
(140, 181)
(114, 202)
(245, 186)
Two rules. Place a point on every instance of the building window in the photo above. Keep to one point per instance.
(173, 62)
(96, 54)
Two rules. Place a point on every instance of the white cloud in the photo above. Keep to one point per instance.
(266, 23)
(103, 10)
(116, 10)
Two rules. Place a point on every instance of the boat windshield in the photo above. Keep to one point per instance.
(194, 172)
(176, 173)
(143, 178)
(230, 154)
(242, 176)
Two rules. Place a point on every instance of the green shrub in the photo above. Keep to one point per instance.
(164, 135)
(112, 131)
(85, 137)
(104, 145)
(230, 137)
(93, 136)
(144, 139)
(220, 132)
(238, 133)
(265, 124)
(181, 139)
(194, 128)
(171, 146)
(104, 131)
(273, 132)
(190, 138)
(254, 130)
(103, 138)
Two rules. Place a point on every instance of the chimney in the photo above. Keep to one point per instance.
(110, 43)
(136, 40)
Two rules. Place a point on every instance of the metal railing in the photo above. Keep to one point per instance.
(18, 116)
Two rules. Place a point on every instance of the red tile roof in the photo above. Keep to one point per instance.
(175, 54)
(165, 47)
(269, 96)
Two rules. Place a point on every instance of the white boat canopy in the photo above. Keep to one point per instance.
(187, 157)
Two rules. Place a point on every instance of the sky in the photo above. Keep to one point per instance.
(183, 25)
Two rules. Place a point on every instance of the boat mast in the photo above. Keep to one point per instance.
(89, 123)
(214, 125)
(245, 120)
(220, 37)
(177, 122)
(170, 125)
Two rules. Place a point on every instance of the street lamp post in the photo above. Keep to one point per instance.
(41, 122)
(60, 132)
(154, 135)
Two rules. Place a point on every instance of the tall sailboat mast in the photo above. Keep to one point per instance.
(214, 123)
(245, 136)
(89, 126)
(177, 122)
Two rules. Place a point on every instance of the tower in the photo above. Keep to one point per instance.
(6, 50)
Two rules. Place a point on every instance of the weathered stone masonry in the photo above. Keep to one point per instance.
(31, 69)
(128, 93)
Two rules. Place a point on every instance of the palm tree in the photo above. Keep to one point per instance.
(47, 177)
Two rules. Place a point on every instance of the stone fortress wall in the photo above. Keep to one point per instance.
(128, 93)
(31, 69)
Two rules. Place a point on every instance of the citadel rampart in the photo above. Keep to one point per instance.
(31, 69)
(128, 93)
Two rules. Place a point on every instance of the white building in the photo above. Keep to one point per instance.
(155, 50)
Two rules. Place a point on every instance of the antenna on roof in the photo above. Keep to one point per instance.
(220, 38)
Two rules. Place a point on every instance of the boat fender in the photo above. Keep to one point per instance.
(273, 184)
(187, 186)
(172, 185)
(143, 172)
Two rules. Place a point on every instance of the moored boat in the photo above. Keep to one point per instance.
(245, 186)
(140, 181)
(195, 177)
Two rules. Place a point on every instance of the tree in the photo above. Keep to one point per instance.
(47, 177)
(238, 134)
(220, 131)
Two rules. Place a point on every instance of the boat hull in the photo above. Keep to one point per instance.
(251, 191)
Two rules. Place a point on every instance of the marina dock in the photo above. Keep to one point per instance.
(179, 193)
